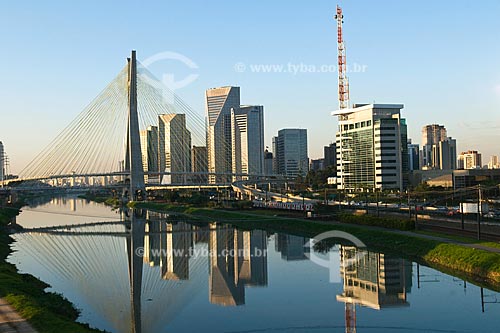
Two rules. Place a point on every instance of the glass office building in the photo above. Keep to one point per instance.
(372, 150)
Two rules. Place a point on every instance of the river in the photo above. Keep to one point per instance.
(151, 273)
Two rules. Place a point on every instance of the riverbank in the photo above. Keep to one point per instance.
(481, 266)
(46, 312)
(108, 201)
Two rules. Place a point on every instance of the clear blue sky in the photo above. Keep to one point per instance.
(439, 58)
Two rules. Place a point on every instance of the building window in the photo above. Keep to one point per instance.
(386, 168)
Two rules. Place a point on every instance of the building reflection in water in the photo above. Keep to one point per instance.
(372, 279)
(170, 272)
(291, 247)
(168, 245)
(236, 258)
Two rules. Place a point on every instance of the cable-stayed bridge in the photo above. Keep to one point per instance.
(119, 139)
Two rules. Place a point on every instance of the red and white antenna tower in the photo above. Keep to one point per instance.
(343, 97)
(342, 65)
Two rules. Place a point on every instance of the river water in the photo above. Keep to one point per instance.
(151, 273)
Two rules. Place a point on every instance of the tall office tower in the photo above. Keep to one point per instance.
(413, 156)
(268, 163)
(470, 159)
(219, 102)
(175, 148)
(493, 163)
(2, 162)
(433, 134)
(438, 150)
(290, 147)
(330, 155)
(247, 141)
(372, 151)
(199, 164)
(149, 149)
(447, 154)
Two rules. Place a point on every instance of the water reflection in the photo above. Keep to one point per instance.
(373, 280)
(291, 247)
(140, 274)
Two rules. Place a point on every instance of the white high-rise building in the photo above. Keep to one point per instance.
(372, 149)
(174, 148)
(470, 159)
(150, 153)
(219, 102)
(247, 139)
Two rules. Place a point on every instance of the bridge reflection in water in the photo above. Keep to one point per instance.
(137, 275)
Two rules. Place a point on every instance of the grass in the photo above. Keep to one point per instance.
(461, 239)
(46, 312)
(112, 202)
(207, 213)
(490, 244)
(384, 222)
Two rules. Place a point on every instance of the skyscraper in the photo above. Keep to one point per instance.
(219, 102)
(199, 164)
(372, 147)
(268, 163)
(247, 140)
(149, 149)
(175, 148)
(330, 155)
(413, 156)
(291, 157)
(438, 150)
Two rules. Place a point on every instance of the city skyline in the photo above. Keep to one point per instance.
(237, 166)
(463, 97)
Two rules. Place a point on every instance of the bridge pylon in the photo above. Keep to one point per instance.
(133, 159)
